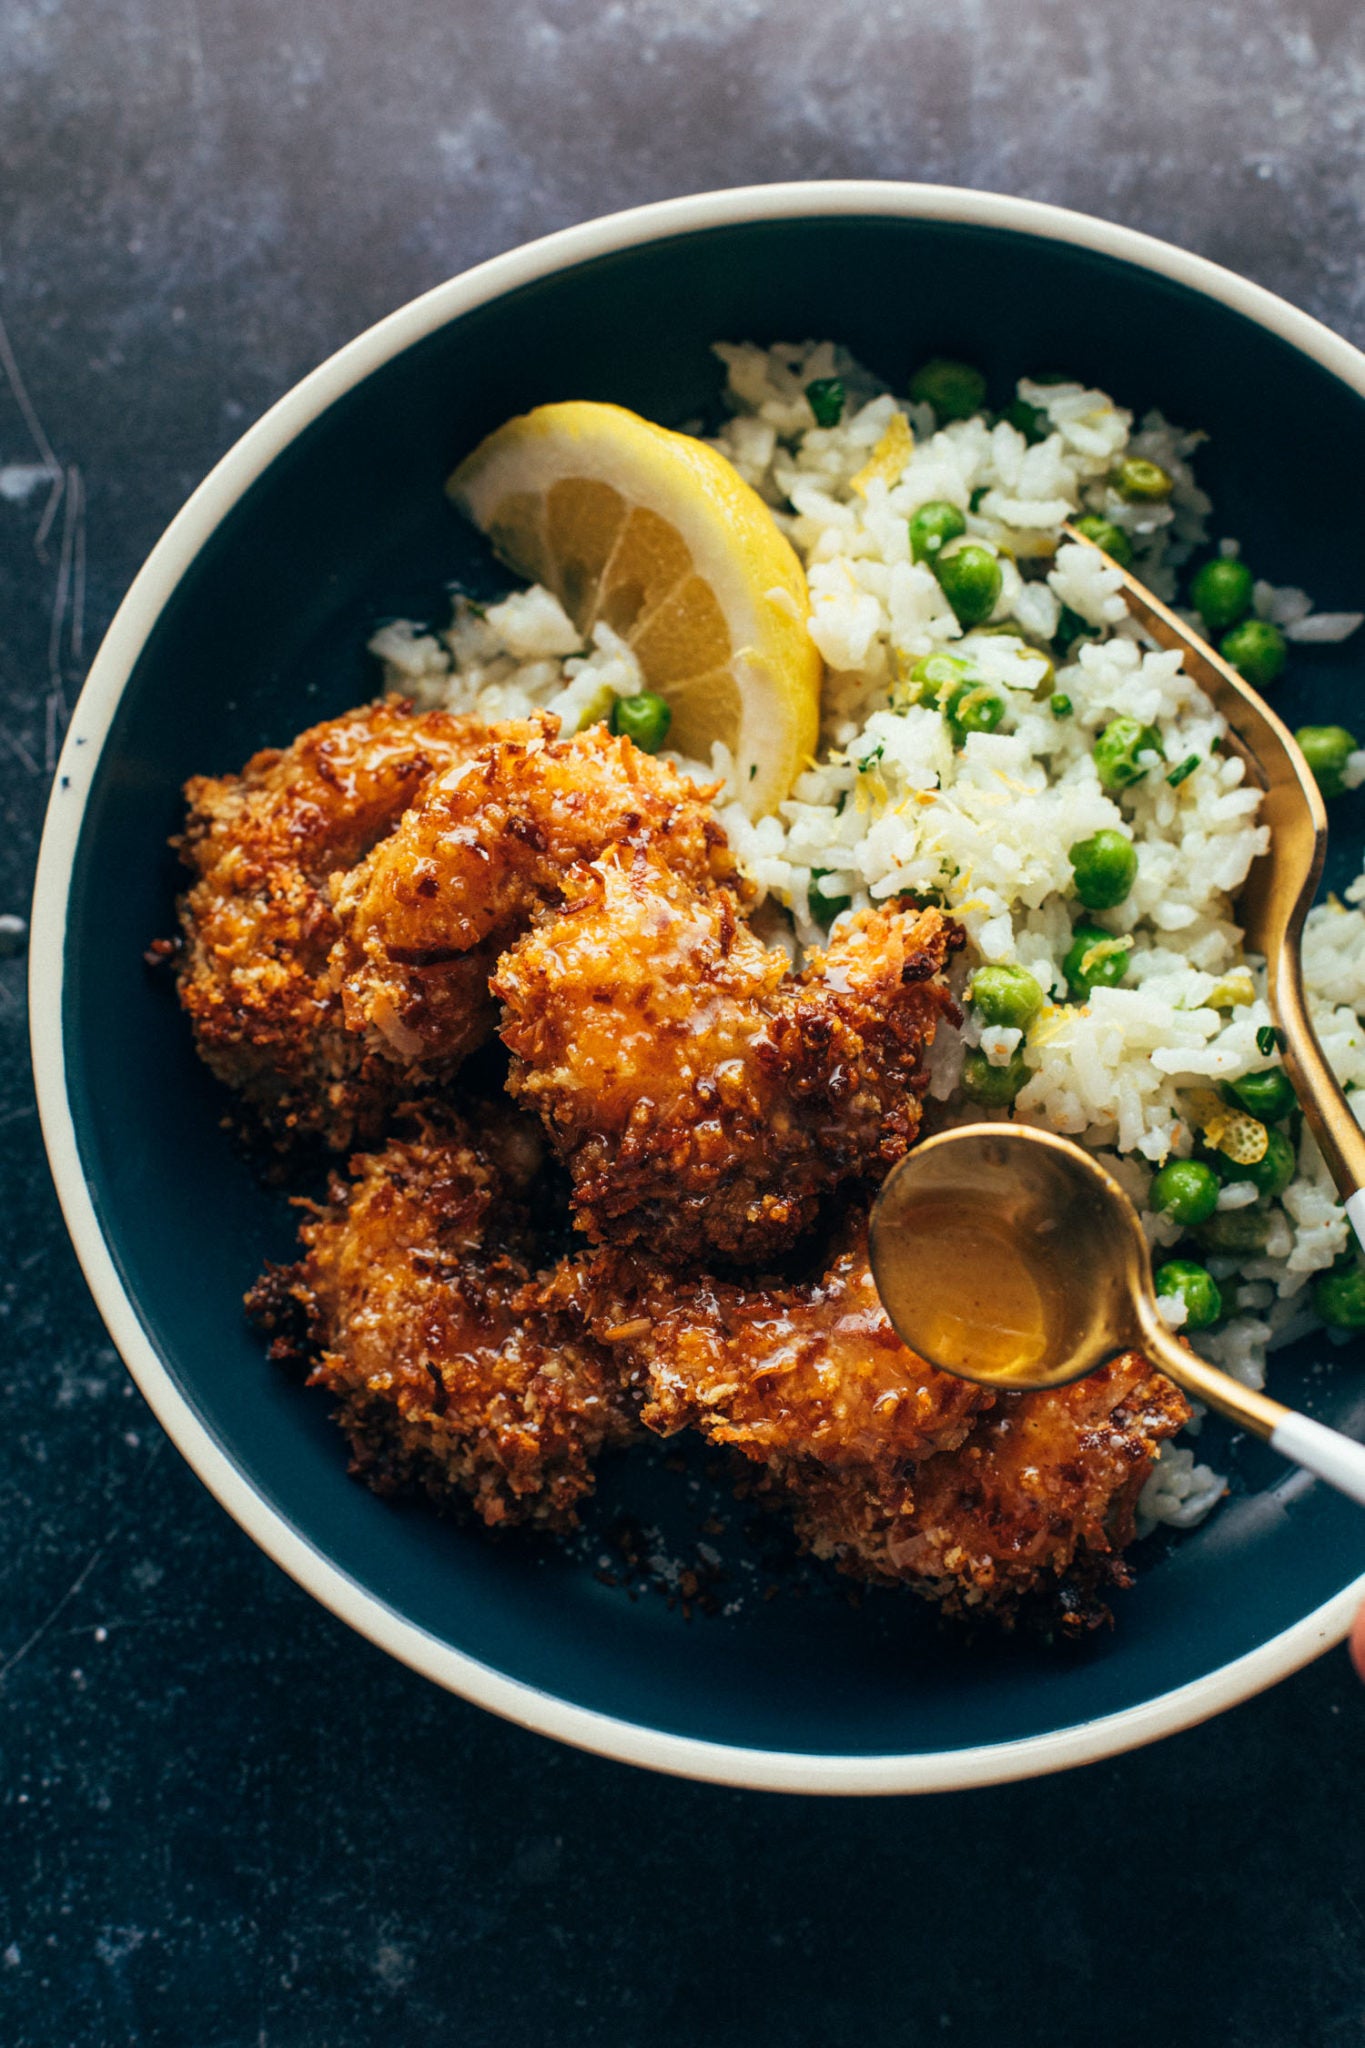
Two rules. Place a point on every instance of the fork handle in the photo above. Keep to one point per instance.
(1321, 1096)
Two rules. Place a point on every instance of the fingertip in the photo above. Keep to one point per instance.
(1358, 1645)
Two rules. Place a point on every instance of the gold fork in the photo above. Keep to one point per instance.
(1280, 888)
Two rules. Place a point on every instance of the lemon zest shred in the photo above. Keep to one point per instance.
(889, 457)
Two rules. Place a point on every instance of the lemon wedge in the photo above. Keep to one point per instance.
(660, 536)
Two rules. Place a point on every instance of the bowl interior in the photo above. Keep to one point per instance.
(266, 634)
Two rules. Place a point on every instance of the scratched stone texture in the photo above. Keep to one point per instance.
(228, 1823)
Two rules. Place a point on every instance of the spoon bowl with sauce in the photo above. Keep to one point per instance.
(1009, 1256)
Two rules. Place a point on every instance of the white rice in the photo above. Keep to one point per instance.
(891, 806)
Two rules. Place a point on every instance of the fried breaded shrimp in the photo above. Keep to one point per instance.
(811, 1371)
(258, 923)
(1035, 1507)
(703, 1095)
(900, 1473)
(496, 840)
(408, 1307)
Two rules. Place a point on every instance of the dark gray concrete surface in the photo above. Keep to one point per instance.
(227, 1822)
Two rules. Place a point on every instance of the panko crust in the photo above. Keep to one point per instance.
(703, 1096)
(258, 923)
(414, 1308)
(983, 1503)
(359, 901)
(808, 1371)
(496, 841)
(1033, 1509)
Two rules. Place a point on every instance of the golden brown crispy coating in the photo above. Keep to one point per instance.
(1035, 1507)
(258, 922)
(492, 843)
(801, 1372)
(703, 1096)
(413, 1306)
(900, 1473)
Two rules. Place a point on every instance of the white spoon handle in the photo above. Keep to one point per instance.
(1325, 1452)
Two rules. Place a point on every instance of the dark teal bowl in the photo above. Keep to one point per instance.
(250, 621)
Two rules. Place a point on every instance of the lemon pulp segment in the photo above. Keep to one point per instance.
(659, 536)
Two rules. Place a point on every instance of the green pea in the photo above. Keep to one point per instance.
(1237, 1231)
(1106, 535)
(1030, 420)
(955, 390)
(1268, 1095)
(825, 906)
(1339, 1298)
(1256, 650)
(932, 527)
(825, 397)
(1140, 479)
(1005, 995)
(1116, 753)
(644, 719)
(1094, 959)
(992, 1087)
(1106, 869)
(1185, 1190)
(1271, 1174)
(1326, 749)
(935, 673)
(973, 707)
(971, 581)
(1196, 1287)
(1060, 705)
(1221, 592)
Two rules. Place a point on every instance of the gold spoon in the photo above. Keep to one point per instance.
(1008, 1255)
(1279, 890)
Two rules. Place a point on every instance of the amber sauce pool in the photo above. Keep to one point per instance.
(966, 1296)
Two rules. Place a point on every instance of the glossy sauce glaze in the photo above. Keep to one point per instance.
(965, 1294)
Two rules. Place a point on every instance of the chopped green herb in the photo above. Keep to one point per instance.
(977, 495)
(1030, 420)
(825, 396)
(869, 761)
(1060, 705)
(1186, 768)
(753, 770)
(824, 906)
(1070, 626)
(1267, 1040)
